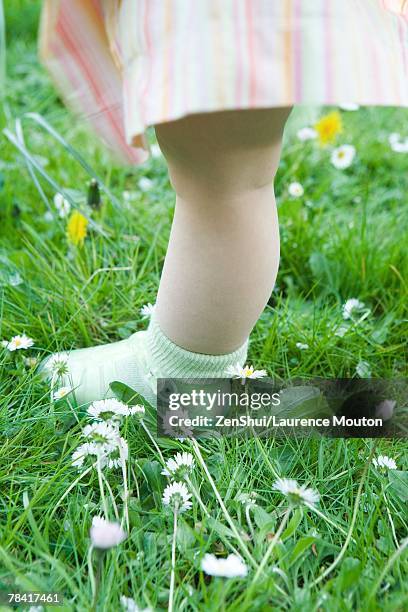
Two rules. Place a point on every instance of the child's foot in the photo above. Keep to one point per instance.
(90, 371)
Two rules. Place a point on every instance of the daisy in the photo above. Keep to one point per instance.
(382, 462)
(145, 184)
(296, 493)
(231, 567)
(363, 369)
(343, 156)
(352, 307)
(137, 409)
(176, 495)
(341, 331)
(296, 190)
(306, 133)
(118, 455)
(61, 392)
(349, 106)
(237, 371)
(129, 605)
(247, 499)
(18, 343)
(102, 433)
(89, 449)
(108, 409)
(179, 466)
(105, 534)
(30, 362)
(398, 145)
(62, 205)
(147, 310)
(57, 364)
(302, 346)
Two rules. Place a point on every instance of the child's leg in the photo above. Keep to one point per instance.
(223, 253)
(221, 263)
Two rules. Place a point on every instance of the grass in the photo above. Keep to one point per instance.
(345, 238)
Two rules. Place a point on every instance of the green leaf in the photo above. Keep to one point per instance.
(293, 524)
(398, 484)
(351, 569)
(124, 393)
(300, 547)
(152, 471)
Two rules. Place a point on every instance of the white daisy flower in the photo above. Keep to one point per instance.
(147, 310)
(119, 454)
(145, 184)
(382, 462)
(231, 567)
(57, 364)
(237, 371)
(343, 156)
(129, 605)
(108, 409)
(155, 151)
(62, 205)
(302, 346)
(90, 449)
(61, 392)
(341, 330)
(306, 133)
(349, 106)
(30, 362)
(105, 534)
(296, 190)
(137, 409)
(18, 343)
(397, 144)
(296, 493)
(105, 433)
(247, 499)
(352, 307)
(179, 466)
(176, 495)
(363, 369)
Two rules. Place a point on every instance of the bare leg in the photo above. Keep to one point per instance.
(223, 253)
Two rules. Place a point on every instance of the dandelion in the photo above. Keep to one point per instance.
(306, 133)
(231, 567)
(179, 466)
(302, 346)
(108, 409)
(145, 184)
(77, 228)
(296, 190)
(237, 371)
(105, 534)
(382, 462)
(349, 106)
(90, 449)
(343, 156)
(296, 493)
(363, 369)
(18, 343)
(352, 307)
(328, 127)
(147, 310)
(60, 393)
(129, 605)
(62, 205)
(176, 496)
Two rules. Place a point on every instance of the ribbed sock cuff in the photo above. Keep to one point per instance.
(168, 360)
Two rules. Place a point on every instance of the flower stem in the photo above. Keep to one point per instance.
(173, 561)
(153, 441)
(272, 545)
(227, 515)
(104, 504)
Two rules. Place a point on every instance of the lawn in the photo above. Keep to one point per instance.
(343, 238)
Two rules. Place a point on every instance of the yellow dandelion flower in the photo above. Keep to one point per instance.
(77, 228)
(328, 127)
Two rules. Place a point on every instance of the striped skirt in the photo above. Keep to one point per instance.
(129, 64)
